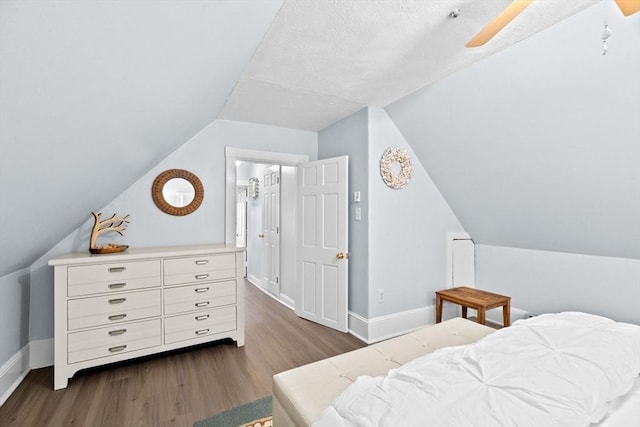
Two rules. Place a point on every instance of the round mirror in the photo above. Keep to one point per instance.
(177, 192)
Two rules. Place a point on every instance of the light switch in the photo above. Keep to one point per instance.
(358, 214)
(356, 196)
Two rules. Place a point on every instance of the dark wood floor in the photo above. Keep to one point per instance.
(179, 388)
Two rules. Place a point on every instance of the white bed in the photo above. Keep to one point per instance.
(567, 369)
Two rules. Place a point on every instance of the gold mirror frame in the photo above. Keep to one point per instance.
(166, 176)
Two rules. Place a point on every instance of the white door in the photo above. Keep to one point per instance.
(271, 230)
(323, 242)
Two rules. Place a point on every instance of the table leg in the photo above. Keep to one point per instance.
(506, 314)
(481, 315)
(464, 312)
(438, 309)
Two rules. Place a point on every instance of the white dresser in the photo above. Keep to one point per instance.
(113, 307)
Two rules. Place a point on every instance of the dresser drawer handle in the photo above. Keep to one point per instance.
(201, 276)
(117, 316)
(118, 348)
(202, 331)
(117, 269)
(202, 304)
(201, 290)
(117, 332)
(202, 317)
(117, 300)
(117, 285)
(202, 262)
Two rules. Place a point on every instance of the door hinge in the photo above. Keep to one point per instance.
(277, 230)
(277, 279)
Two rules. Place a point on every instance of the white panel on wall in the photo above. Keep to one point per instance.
(464, 263)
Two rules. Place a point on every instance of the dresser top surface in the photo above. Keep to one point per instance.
(142, 253)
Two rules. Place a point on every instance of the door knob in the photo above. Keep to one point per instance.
(261, 236)
(341, 255)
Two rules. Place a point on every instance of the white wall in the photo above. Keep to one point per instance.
(543, 282)
(407, 229)
(203, 155)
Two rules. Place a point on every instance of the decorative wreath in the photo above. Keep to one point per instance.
(390, 156)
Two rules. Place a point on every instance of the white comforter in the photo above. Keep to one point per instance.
(551, 370)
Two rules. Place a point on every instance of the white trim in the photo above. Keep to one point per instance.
(389, 326)
(12, 372)
(284, 300)
(254, 281)
(495, 315)
(384, 327)
(288, 301)
(41, 353)
(233, 154)
(358, 327)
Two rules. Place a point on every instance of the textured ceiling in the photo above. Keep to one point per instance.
(323, 60)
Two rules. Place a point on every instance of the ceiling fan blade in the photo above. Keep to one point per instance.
(499, 23)
(628, 7)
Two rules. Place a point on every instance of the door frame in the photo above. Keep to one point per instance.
(232, 155)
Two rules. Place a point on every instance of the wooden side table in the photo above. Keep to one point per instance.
(479, 300)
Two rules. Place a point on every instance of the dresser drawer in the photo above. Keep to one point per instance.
(115, 308)
(198, 269)
(104, 342)
(199, 324)
(93, 279)
(198, 297)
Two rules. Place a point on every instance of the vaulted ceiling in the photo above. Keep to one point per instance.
(324, 60)
(94, 94)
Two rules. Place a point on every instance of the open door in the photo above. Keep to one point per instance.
(271, 230)
(322, 260)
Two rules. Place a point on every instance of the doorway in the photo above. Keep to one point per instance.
(266, 219)
(306, 217)
(242, 166)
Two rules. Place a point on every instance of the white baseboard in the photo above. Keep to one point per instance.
(286, 300)
(12, 372)
(495, 315)
(253, 279)
(392, 325)
(37, 354)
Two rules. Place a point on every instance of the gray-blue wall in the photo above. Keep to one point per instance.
(204, 156)
(14, 313)
(542, 281)
(407, 229)
(536, 149)
(350, 137)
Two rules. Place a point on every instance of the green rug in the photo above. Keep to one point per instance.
(239, 416)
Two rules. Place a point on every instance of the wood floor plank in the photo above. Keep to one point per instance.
(178, 388)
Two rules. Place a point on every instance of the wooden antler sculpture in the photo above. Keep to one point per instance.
(115, 223)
